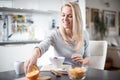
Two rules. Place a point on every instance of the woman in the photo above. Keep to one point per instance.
(68, 40)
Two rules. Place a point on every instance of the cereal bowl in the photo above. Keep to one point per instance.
(77, 73)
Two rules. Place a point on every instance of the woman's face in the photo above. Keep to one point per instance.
(67, 18)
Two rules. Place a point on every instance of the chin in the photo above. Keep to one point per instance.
(66, 27)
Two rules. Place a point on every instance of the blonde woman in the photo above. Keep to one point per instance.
(68, 41)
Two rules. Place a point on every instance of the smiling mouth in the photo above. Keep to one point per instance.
(66, 23)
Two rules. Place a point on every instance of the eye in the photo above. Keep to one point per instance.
(62, 15)
(70, 16)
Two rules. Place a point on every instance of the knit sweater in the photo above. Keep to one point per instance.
(61, 48)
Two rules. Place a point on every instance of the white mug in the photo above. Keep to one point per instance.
(19, 67)
(57, 61)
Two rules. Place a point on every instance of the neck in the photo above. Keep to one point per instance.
(69, 33)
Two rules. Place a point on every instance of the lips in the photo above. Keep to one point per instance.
(66, 23)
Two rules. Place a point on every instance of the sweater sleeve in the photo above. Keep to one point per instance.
(86, 44)
(45, 44)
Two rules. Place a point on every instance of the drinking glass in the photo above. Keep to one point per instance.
(77, 72)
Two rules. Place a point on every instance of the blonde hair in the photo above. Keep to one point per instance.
(77, 29)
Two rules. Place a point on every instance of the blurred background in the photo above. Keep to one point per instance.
(24, 23)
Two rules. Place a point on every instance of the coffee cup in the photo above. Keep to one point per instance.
(19, 67)
(57, 62)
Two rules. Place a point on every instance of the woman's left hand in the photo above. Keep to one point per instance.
(77, 58)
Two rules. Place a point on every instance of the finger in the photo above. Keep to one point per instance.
(76, 56)
(29, 65)
(78, 60)
(26, 64)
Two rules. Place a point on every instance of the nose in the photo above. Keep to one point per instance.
(65, 18)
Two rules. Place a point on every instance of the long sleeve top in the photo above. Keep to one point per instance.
(61, 48)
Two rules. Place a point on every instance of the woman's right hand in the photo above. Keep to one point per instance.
(32, 60)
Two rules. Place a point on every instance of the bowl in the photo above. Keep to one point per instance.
(57, 62)
(77, 73)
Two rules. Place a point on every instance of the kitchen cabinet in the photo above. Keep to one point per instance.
(6, 3)
(46, 12)
(19, 21)
(11, 53)
(6, 10)
(44, 5)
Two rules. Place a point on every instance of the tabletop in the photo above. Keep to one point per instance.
(92, 74)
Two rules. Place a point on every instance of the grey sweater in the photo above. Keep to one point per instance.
(62, 49)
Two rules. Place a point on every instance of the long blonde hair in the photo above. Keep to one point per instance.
(77, 29)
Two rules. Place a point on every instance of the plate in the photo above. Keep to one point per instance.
(51, 67)
(42, 77)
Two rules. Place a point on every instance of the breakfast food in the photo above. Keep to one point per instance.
(76, 73)
(33, 73)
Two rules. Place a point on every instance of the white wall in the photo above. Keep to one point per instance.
(27, 4)
(114, 4)
(38, 4)
(99, 4)
(82, 7)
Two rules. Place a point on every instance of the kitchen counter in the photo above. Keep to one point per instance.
(19, 42)
(15, 51)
